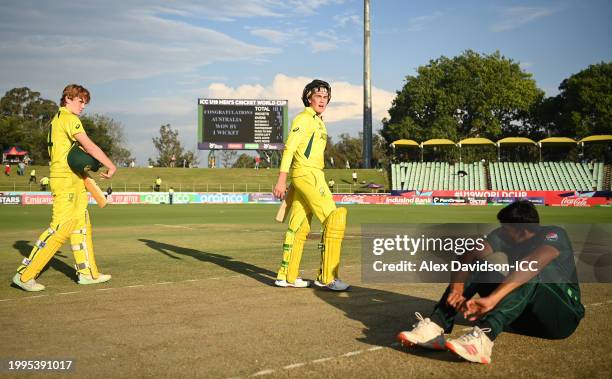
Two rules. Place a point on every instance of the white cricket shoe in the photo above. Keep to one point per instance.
(88, 279)
(334, 285)
(425, 333)
(474, 346)
(30, 285)
(299, 283)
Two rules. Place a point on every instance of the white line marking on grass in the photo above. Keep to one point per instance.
(295, 365)
(321, 360)
(105, 289)
(175, 226)
(6, 300)
(376, 348)
(263, 372)
(135, 286)
(162, 283)
(68, 293)
(351, 353)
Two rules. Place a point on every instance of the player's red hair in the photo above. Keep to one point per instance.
(74, 90)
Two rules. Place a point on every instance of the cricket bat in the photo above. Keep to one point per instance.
(95, 191)
(283, 210)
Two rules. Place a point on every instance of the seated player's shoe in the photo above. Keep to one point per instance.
(425, 333)
(474, 346)
(88, 279)
(335, 285)
(299, 283)
(30, 285)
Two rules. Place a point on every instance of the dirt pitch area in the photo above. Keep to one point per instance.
(239, 326)
(188, 300)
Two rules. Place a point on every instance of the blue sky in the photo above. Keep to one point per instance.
(147, 62)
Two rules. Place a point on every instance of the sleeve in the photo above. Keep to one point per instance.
(296, 135)
(75, 127)
(494, 239)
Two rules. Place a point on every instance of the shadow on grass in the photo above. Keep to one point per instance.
(262, 275)
(24, 247)
(384, 314)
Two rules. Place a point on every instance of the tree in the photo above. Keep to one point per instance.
(583, 106)
(244, 161)
(228, 157)
(168, 145)
(108, 134)
(471, 95)
(25, 118)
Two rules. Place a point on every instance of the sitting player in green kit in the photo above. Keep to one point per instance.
(543, 303)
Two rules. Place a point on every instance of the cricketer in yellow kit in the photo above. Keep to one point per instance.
(304, 156)
(70, 219)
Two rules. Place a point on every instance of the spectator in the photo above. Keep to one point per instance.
(7, 170)
(21, 168)
(32, 176)
(331, 184)
(331, 161)
(171, 195)
(348, 165)
(257, 161)
(158, 183)
(354, 177)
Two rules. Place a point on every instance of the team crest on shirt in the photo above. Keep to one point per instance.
(552, 236)
(322, 191)
(295, 129)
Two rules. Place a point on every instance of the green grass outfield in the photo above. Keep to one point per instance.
(198, 179)
(191, 296)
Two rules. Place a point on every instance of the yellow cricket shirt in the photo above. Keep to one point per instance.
(64, 126)
(305, 145)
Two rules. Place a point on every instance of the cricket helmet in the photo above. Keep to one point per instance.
(80, 162)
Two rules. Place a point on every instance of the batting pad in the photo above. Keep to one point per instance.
(332, 237)
(43, 255)
(82, 248)
(293, 248)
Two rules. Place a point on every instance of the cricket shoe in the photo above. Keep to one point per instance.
(30, 285)
(299, 283)
(88, 279)
(424, 333)
(335, 285)
(474, 346)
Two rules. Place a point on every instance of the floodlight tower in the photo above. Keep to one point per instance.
(367, 88)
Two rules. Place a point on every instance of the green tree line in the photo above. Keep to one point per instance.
(491, 96)
(25, 118)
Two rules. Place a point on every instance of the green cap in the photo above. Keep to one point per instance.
(80, 162)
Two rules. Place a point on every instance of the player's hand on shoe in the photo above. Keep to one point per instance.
(456, 300)
(476, 308)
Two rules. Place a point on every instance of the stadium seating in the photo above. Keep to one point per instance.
(559, 176)
(438, 176)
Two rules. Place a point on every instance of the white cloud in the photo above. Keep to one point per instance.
(346, 104)
(514, 17)
(348, 19)
(51, 43)
(417, 24)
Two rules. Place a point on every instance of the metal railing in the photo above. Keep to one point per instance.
(186, 187)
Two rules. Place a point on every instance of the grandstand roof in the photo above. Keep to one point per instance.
(476, 141)
(437, 141)
(597, 138)
(516, 141)
(405, 142)
(557, 140)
